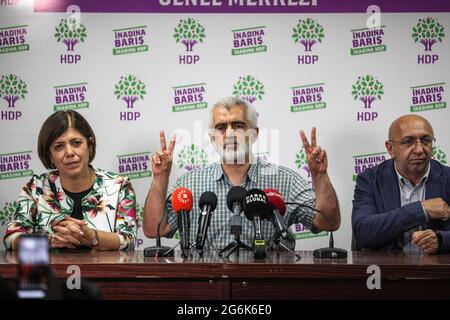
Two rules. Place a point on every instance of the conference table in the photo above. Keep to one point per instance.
(362, 275)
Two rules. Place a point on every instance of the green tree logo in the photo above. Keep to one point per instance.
(439, 155)
(7, 213)
(367, 89)
(308, 32)
(192, 157)
(70, 32)
(12, 89)
(249, 88)
(189, 32)
(428, 32)
(130, 89)
(301, 162)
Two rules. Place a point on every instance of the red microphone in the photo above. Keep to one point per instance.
(279, 209)
(182, 205)
(182, 199)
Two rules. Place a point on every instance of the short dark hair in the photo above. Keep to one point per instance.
(56, 125)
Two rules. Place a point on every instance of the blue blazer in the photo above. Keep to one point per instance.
(378, 220)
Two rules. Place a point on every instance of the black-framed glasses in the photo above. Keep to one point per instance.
(409, 142)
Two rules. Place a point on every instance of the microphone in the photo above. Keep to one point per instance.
(256, 209)
(182, 205)
(235, 202)
(276, 202)
(158, 250)
(207, 204)
(235, 199)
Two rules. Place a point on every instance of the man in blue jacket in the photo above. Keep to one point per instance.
(402, 203)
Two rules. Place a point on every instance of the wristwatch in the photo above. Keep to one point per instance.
(95, 239)
(122, 241)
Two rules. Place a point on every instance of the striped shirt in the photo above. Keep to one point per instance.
(260, 175)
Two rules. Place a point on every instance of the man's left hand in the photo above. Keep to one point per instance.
(426, 240)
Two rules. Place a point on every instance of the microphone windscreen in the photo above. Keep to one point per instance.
(256, 203)
(182, 199)
(236, 194)
(276, 200)
(208, 198)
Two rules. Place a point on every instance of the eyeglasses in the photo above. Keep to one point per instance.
(409, 142)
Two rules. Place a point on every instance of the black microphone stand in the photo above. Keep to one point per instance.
(331, 251)
(159, 250)
(184, 253)
(236, 229)
(200, 252)
(278, 243)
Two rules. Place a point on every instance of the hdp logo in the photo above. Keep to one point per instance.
(12, 89)
(7, 213)
(71, 32)
(308, 32)
(249, 88)
(189, 32)
(367, 89)
(129, 89)
(428, 32)
(192, 157)
(439, 155)
(302, 163)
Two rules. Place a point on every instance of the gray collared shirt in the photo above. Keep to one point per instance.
(260, 175)
(410, 194)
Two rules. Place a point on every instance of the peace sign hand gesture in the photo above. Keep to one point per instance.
(162, 159)
(315, 155)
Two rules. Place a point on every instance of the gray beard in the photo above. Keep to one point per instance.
(231, 156)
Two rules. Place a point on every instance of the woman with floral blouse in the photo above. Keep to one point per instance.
(75, 205)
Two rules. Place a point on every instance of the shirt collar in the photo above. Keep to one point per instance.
(252, 173)
(217, 171)
(402, 180)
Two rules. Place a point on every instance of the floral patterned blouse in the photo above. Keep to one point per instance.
(109, 206)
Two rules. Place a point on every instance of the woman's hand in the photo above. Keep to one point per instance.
(69, 233)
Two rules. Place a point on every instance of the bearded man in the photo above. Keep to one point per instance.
(233, 130)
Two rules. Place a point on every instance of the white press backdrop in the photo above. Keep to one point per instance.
(159, 68)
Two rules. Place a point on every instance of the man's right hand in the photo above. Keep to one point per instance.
(437, 208)
(162, 159)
